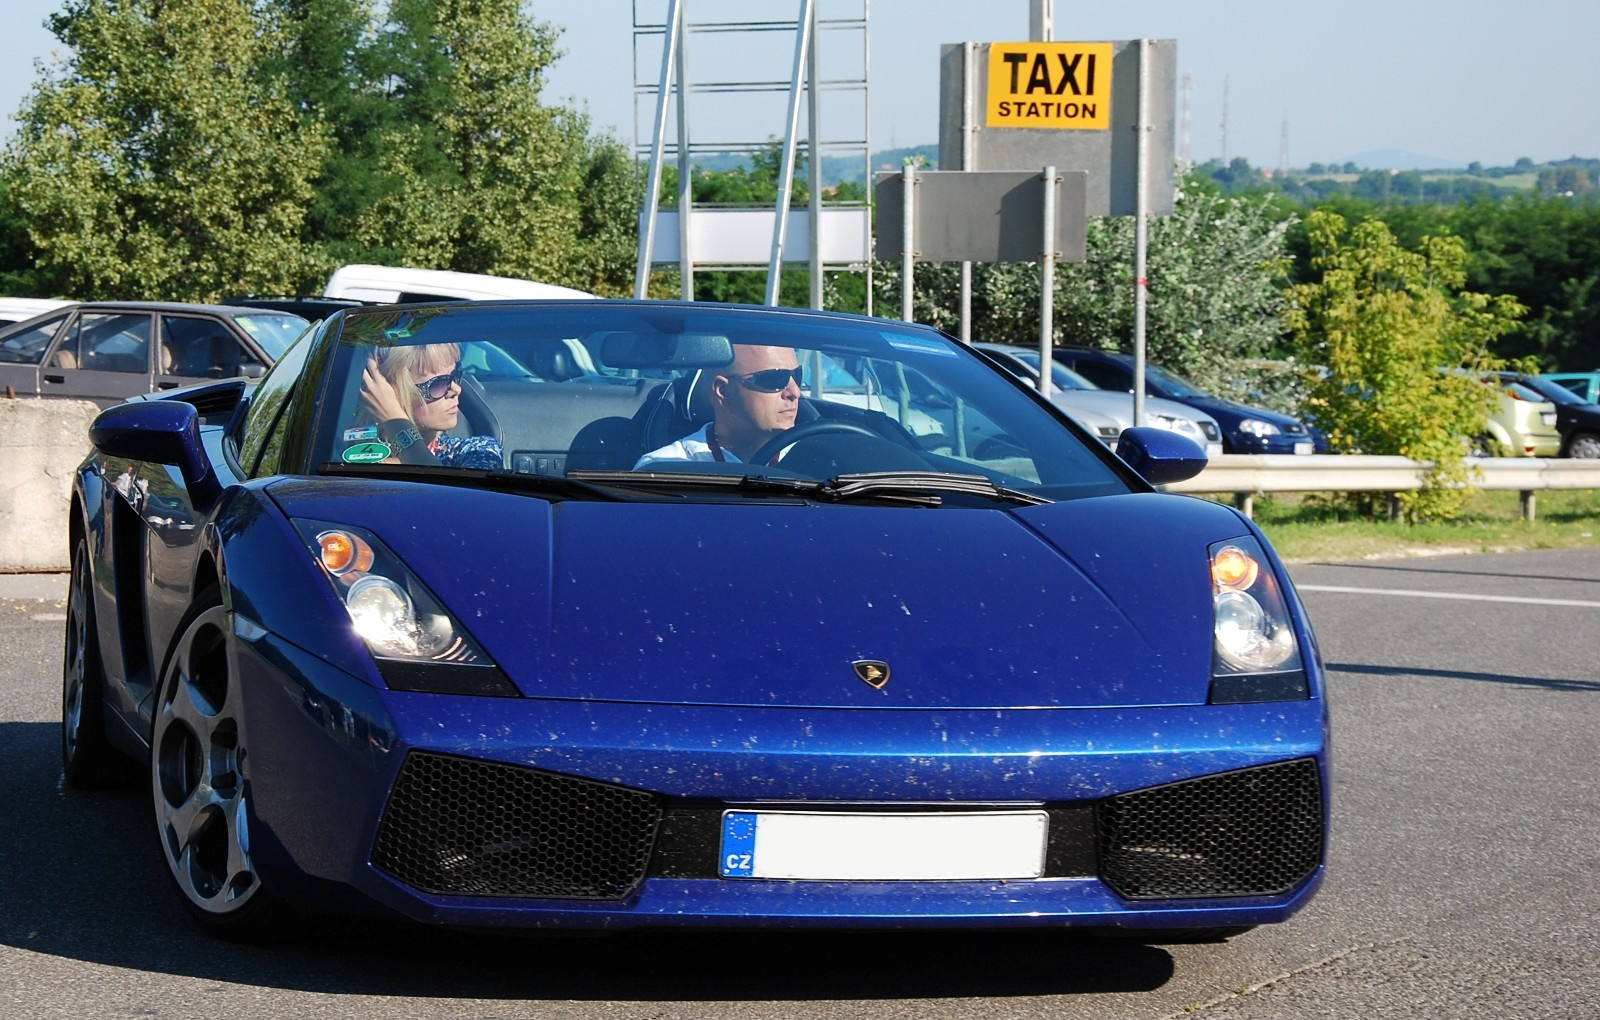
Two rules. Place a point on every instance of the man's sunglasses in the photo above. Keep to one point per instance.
(771, 380)
(438, 387)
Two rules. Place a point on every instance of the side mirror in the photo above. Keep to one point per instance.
(1160, 456)
(161, 432)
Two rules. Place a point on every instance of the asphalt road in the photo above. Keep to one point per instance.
(1466, 844)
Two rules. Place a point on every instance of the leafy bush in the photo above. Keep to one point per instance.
(1404, 347)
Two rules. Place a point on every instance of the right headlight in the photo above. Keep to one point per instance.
(1255, 654)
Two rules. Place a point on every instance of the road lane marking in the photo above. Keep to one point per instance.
(1581, 603)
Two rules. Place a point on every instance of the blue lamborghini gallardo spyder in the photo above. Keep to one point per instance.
(599, 615)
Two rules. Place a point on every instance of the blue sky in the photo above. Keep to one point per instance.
(1453, 80)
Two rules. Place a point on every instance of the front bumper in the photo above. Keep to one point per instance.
(1286, 443)
(519, 813)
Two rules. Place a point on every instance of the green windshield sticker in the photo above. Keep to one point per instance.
(398, 333)
(367, 453)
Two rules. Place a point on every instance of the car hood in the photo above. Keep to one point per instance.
(1231, 410)
(1099, 603)
(1120, 405)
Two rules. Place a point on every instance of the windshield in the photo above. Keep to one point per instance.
(1176, 386)
(274, 331)
(1061, 377)
(658, 397)
(1547, 390)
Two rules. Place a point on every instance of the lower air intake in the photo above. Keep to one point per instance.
(455, 826)
(1255, 832)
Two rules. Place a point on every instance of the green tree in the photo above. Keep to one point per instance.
(160, 161)
(1403, 344)
(215, 146)
(478, 175)
(330, 68)
(1545, 252)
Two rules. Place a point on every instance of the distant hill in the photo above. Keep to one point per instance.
(1397, 159)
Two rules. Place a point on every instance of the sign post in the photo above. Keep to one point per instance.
(1047, 281)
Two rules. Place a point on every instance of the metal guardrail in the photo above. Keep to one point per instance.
(1246, 476)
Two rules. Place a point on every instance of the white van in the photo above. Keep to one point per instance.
(390, 284)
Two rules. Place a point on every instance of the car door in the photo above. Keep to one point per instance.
(22, 352)
(198, 348)
(102, 356)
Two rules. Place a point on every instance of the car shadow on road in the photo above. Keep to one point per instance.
(1544, 682)
(1491, 567)
(81, 878)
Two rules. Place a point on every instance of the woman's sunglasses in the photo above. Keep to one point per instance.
(771, 380)
(439, 386)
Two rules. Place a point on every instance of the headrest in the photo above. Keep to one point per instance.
(692, 397)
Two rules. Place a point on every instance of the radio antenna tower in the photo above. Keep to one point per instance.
(1185, 153)
(1283, 147)
(1224, 120)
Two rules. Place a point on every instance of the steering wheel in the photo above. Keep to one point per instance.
(800, 433)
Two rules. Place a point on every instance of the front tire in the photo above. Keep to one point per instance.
(198, 786)
(88, 760)
(1584, 445)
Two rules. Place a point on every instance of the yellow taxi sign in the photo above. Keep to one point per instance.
(1049, 85)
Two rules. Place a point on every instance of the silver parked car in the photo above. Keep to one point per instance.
(107, 351)
(1074, 394)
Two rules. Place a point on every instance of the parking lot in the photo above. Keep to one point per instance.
(1466, 704)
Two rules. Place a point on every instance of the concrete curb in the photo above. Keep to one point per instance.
(37, 587)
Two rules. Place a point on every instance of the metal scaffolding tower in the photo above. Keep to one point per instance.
(738, 99)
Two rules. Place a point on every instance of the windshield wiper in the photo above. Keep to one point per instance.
(881, 482)
(914, 488)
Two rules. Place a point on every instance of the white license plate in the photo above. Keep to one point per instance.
(1304, 447)
(870, 846)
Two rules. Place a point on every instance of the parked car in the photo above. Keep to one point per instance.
(1076, 395)
(1577, 422)
(1245, 429)
(16, 309)
(309, 308)
(1585, 384)
(1522, 423)
(869, 685)
(105, 351)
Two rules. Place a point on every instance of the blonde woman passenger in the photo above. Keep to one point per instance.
(414, 394)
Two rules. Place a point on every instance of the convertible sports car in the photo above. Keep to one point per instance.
(864, 676)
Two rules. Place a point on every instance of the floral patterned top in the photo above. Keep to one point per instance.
(482, 452)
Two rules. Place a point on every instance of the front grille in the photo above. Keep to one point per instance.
(455, 826)
(1256, 832)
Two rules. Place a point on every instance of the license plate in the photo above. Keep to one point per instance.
(872, 846)
(1304, 447)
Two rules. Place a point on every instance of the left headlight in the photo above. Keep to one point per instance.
(1257, 427)
(1172, 423)
(1255, 654)
(417, 643)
